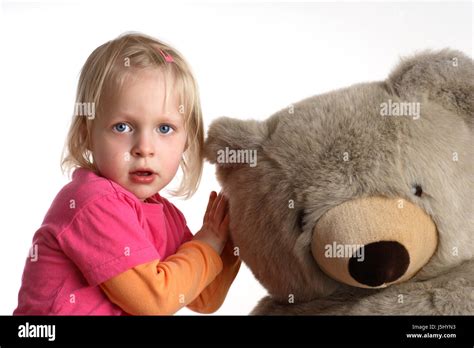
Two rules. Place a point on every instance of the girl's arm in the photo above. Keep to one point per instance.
(212, 297)
(162, 288)
(216, 226)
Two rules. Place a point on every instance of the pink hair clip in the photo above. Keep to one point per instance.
(167, 57)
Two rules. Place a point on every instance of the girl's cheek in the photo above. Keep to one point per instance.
(174, 158)
(119, 145)
(112, 151)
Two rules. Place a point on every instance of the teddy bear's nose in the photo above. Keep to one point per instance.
(383, 262)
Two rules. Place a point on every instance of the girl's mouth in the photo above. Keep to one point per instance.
(143, 173)
(142, 177)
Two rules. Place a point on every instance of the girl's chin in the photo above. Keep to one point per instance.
(143, 193)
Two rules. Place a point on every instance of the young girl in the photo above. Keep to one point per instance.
(110, 244)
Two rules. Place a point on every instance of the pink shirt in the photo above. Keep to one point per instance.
(93, 231)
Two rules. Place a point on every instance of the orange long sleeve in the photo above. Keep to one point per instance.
(162, 288)
(214, 294)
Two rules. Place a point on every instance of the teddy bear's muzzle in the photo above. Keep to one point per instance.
(374, 242)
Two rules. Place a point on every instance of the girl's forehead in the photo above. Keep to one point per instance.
(148, 78)
(142, 90)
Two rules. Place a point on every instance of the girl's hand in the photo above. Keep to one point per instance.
(215, 228)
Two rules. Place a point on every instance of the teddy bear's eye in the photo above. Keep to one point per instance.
(417, 190)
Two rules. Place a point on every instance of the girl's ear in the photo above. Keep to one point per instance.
(233, 134)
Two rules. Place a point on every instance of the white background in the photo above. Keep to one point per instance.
(250, 59)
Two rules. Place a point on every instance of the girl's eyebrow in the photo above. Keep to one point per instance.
(160, 118)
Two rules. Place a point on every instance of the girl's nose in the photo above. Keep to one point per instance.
(143, 147)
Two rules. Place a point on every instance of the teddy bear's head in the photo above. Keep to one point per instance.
(365, 186)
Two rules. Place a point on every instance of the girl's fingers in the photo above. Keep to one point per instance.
(209, 205)
(225, 223)
(214, 204)
(221, 209)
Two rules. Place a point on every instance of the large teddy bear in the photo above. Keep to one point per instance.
(359, 201)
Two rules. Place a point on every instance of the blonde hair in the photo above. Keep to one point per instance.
(106, 69)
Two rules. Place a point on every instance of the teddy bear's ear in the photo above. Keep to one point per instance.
(446, 77)
(226, 132)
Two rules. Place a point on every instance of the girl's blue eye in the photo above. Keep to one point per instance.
(165, 129)
(121, 127)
